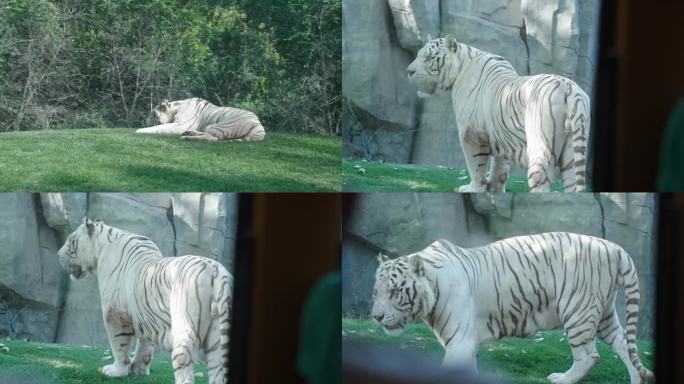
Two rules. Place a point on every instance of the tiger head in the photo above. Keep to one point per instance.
(401, 293)
(430, 70)
(77, 255)
(164, 113)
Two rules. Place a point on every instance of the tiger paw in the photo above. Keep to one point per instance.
(471, 189)
(559, 378)
(113, 370)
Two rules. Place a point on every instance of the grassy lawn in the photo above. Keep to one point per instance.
(120, 160)
(29, 362)
(373, 176)
(520, 360)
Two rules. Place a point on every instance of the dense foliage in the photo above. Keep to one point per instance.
(106, 63)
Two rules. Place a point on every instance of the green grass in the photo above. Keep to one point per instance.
(520, 360)
(39, 363)
(373, 176)
(120, 160)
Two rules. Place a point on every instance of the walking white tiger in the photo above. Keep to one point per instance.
(515, 287)
(539, 122)
(198, 119)
(182, 304)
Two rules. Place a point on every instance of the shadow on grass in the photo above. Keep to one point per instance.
(161, 177)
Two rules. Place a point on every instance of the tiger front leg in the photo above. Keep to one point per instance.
(164, 129)
(477, 153)
(120, 332)
(196, 135)
(461, 354)
(144, 352)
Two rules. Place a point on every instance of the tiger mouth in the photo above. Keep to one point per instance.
(393, 327)
(75, 270)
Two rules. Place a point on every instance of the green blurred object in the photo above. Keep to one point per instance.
(671, 177)
(320, 349)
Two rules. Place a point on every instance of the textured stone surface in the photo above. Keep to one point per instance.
(403, 223)
(33, 228)
(205, 225)
(374, 81)
(380, 38)
(28, 265)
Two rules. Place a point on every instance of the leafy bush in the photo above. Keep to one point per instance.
(71, 62)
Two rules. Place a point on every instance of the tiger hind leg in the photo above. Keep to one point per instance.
(144, 351)
(612, 333)
(540, 170)
(498, 175)
(580, 329)
(584, 357)
(183, 355)
(228, 133)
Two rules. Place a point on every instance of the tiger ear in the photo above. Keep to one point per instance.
(451, 43)
(382, 258)
(430, 37)
(90, 225)
(416, 265)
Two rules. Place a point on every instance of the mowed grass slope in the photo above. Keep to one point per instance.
(373, 176)
(519, 360)
(121, 160)
(39, 363)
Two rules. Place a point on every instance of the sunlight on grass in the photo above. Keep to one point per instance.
(521, 360)
(58, 363)
(374, 176)
(119, 160)
(33, 362)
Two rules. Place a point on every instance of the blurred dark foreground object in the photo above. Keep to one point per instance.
(320, 345)
(365, 364)
(671, 177)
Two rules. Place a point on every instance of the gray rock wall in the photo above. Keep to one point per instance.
(401, 223)
(386, 121)
(34, 226)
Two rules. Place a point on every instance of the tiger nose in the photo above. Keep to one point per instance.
(410, 71)
(378, 318)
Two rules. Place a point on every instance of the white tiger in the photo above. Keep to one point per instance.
(539, 122)
(516, 287)
(181, 304)
(198, 119)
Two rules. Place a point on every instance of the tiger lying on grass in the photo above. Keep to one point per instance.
(198, 119)
(181, 304)
(516, 287)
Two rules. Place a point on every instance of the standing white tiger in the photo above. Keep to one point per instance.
(198, 119)
(539, 122)
(516, 287)
(181, 304)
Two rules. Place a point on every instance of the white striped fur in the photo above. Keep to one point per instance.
(181, 304)
(516, 287)
(198, 119)
(538, 122)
